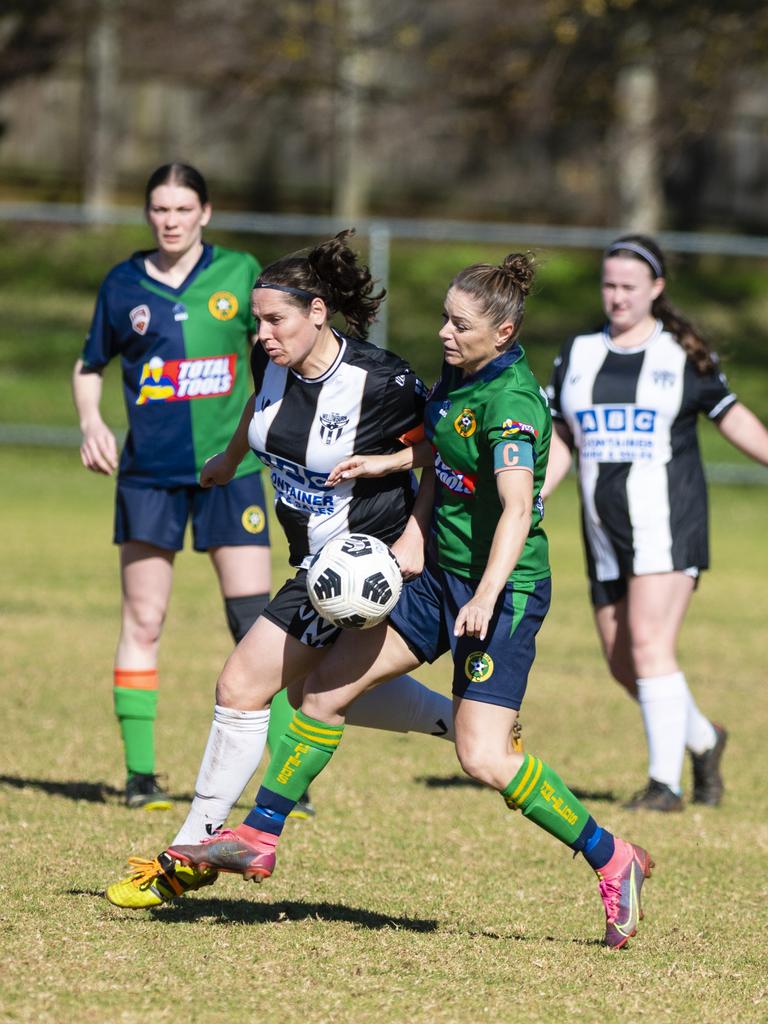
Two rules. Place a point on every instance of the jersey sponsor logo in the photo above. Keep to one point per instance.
(223, 305)
(293, 471)
(331, 426)
(180, 312)
(511, 427)
(140, 317)
(318, 503)
(617, 433)
(478, 667)
(616, 419)
(179, 380)
(465, 423)
(253, 519)
(453, 479)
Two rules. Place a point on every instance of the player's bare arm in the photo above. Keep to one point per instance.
(98, 451)
(516, 494)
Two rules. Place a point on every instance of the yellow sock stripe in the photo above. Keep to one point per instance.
(534, 780)
(331, 735)
(526, 785)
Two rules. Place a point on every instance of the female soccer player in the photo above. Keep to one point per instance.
(627, 399)
(320, 396)
(484, 596)
(179, 318)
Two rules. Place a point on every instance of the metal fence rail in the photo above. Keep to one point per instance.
(381, 231)
(37, 436)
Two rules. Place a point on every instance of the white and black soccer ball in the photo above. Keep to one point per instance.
(354, 581)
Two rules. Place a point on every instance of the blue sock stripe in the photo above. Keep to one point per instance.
(593, 840)
(265, 820)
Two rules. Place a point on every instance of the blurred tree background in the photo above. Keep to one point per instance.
(595, 112)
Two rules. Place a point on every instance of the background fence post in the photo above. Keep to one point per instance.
(379, 240)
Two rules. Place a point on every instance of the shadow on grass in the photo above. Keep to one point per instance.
(93, 792)
(463, 781)
(250, 912)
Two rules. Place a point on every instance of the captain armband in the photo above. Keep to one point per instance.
(512, 455)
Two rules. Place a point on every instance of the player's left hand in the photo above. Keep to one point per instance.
(473, 619)
(360, 465)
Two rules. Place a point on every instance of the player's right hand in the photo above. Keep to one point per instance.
(217, 471)
(98, 452)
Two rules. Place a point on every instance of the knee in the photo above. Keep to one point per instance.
(475, 760)
(143, 623)
(238, 688)
(322, 704)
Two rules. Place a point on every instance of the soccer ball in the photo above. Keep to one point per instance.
(354, 581)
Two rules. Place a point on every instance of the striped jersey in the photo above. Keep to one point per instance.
(302, 427)
(477, 426)
(633, 414)
(184, 354)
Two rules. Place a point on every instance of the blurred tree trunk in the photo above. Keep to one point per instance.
(100, 107)
(637, 154)
(351, 167)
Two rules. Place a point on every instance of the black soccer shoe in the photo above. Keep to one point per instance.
(708, 785)
(656, 796)
(142, 791)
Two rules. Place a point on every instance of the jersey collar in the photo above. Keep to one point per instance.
(496, 366)
(206, 258)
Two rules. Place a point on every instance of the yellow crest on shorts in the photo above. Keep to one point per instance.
(253, 519)
(465, 423)
(478, 667)
(223, 305)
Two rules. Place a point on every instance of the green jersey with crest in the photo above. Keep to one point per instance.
(496, 420)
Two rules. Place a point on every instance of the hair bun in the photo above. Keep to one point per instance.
(520, 266)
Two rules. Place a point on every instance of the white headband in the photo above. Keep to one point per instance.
(639, 250)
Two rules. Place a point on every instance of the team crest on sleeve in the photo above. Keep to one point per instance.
(478, 667)
(223, 305)
(465, 423)
(331, 426)
(140, 317)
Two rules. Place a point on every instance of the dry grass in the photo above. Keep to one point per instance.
(414, 896)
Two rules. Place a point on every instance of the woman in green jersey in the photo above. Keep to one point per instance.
(482, 594)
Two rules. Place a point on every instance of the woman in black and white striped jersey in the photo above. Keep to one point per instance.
(627, 399)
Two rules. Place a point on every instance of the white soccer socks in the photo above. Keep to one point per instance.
(235, 745)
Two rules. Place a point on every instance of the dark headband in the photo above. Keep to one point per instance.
(299, 292)
(638, 250)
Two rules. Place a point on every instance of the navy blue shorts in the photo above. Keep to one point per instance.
(494, 670)
(228, 516)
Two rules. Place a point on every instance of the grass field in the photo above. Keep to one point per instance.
(414, 896)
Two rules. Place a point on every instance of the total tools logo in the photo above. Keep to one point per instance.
(179, 380)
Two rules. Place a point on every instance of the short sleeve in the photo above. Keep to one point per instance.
(516, 417)
(713, 395)
(101, 342)
(555, 386)
(402, 408)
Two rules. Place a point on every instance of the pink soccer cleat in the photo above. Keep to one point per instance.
(620, 883)
(252, 856)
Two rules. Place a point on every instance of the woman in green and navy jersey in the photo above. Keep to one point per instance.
(482, 595)
(178, 316)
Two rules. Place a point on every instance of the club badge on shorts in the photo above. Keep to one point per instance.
(253, 519)
(478, 667)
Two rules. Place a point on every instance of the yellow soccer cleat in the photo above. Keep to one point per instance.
(157, 881)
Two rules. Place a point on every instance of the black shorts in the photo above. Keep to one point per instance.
(291, 610)
(230, 516)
